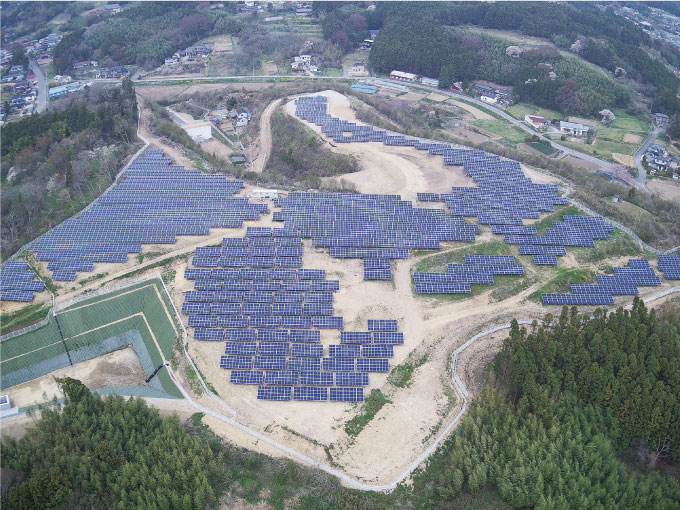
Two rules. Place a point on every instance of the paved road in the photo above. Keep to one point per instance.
(497, 111)
(642, 173)
(41, 77)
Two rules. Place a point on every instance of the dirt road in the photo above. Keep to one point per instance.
(260, 163)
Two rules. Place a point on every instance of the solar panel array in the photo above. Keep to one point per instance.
(624, 282)
(670, 266)
(367, 226)
(270, 320)
(477, 270)
(504, 196)
(17, 282)
(155, 203)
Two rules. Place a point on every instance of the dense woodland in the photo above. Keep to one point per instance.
(572, 418)
(417, 37)
(56, 163)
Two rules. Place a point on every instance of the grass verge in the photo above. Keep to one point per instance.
(561, 283)
(374, 402)
(26, 316)
(401, 376)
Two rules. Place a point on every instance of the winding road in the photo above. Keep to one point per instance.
(642, 173)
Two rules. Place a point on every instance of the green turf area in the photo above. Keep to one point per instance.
(548, 151)
(626, 121)
(519, 110)
(561, 283)
(619, 244)
(558, 215)
(611, 134)
(502, 128)
(91, 321)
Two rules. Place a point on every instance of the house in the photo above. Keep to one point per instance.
(661, 119)
(358, 69)
(484, 90)
(430, 82)
(659, 163)
(303, 11)
(656, 150)
(62, 90)
(85, 64)
(198, 131)
(489, 99)
(237, 159)
(111, 9)
(572, 128)
(112, 72)
(457, 86)
(171, 61)
(402, 76)
(535, 121)
(242, 117)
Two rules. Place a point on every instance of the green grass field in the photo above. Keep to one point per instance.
(519, 110)
(502, 128)
(626, 121)
(548, 151)
(140, 307)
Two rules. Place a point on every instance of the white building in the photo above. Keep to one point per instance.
(535, 121)
(489, 99)
(264, 193)
(572, 128)
(430, 82)
(402, 76)
(198, 131)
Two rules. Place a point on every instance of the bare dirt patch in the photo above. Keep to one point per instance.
(479, 114)
(632, 138)
(467, 134)
(437, 97)
(118, 368)
(666, 188)
(624, 159)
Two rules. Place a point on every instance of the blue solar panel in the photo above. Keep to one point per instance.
(388, 338)
(327, 322)
(377, 351)
(305, 336)
(346, 394)
(280, 393)
(344, 351)
(578, 299)
(307, 350)
(240, 335)
(351, 379)
(238, 362)
(213, 334)
(310, 393)
(273, 349)
(304, 364)
(372, 365)
(269, 363)
(241, 348)
(246, 377)
(281, 378)
(272, 335)
(318, 379)
(382, 325)
(356, 337)
(339, 364)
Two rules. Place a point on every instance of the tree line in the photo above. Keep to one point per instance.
(414, 38)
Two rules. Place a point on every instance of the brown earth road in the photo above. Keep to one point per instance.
(260, 162)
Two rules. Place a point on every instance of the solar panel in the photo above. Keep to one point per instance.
(373, 365)
(577, 299)
(307, 350)
(351, 379)
(356, 337)
(269, 362)
(377, 351)
(346, 394)
(304, 364)
(241, 348)
(240, 335)
(272, 335)
(279, 393)
(338, 364)
(237, 362)
(327, 322)
(246, 377)
(273, 349)
(281, 378)
(213, 334)
(318, 379)
(382, 325)
(305, 336)
(344, 351)
(310, 393)
(388, 338)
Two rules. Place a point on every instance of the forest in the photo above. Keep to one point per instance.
(143, 34)
(415, 37)
(56, 163)
(580, 411)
